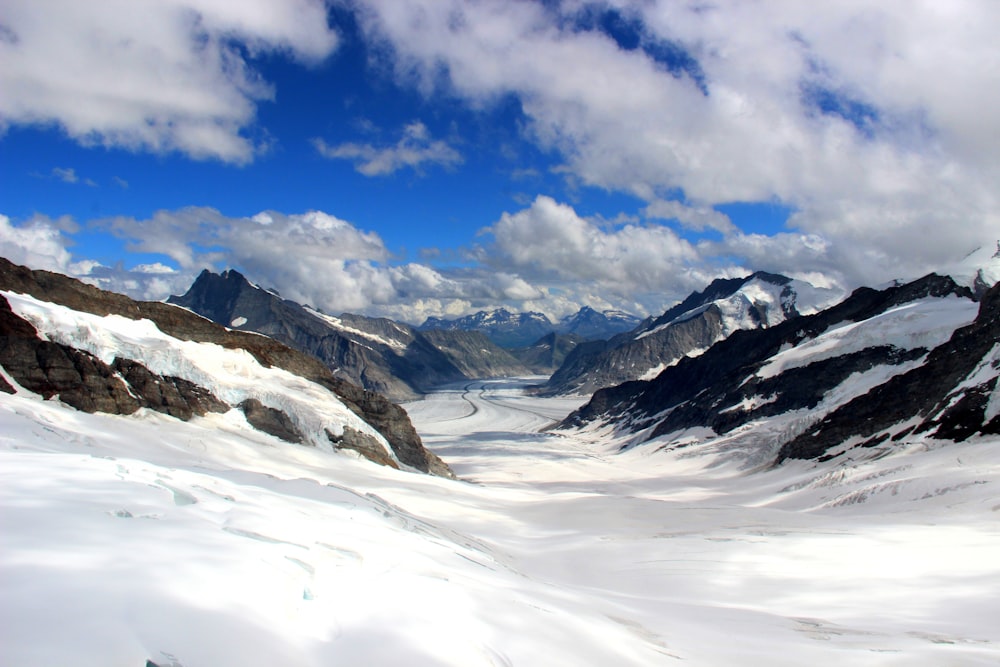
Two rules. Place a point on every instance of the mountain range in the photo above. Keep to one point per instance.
(911, 361)
(519, 330)
(688, 329)
(183, 492)
(97, 351)
(381, 355)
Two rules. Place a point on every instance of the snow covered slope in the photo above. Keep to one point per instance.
(873, 370)
(688, 329)
(103, 352)
(207, 543)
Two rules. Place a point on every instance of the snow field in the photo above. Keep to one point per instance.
(925, 323)
(207, 543)
(232, 375)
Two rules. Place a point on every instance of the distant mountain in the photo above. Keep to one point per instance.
(475, 355)
(379, 354)
(548, 352)
(102, 352)
(503, 327)
(870, 372)
(591, 324)
(520, 330)
(727, 305)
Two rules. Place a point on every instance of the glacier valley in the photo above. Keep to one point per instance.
(138, 538)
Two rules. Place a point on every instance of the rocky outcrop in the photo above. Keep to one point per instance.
(174, 396)
(88, 384)
(71, 367)
(363, 444)
(271, 421)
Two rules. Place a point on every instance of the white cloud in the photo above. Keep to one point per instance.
(549, 241)
(414, 149)
(873, 122)
(67, 175)
(38, 243)
(164, 75)
(697, 218)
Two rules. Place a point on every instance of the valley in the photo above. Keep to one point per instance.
(176, 493)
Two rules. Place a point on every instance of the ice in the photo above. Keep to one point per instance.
(231, 375)
(206, 543)
(925, 323)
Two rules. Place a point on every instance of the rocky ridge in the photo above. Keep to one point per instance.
(687, 329)
(122, 387)
(879, 388)
(378, 354)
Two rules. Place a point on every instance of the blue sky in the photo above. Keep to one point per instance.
(434, 157)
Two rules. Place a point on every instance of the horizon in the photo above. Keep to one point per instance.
(424, 158)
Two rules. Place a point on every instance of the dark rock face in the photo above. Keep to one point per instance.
(362, 443)
(475, 355)
(174, 396)
(795, 389)
(88, 384)
(711, 390)
(694, 324)
(230, 300)
(271, 421)
(599, 366)
(933, 394)
(387, 418)
(547, 353)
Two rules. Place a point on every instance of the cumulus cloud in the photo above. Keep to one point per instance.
(414, 149)
(39, 243)
(870, 122)
(162, 76)
(550, 242)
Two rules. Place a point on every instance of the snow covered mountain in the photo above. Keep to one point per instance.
(597, 325)
(381, 355)
(909, 362)
(163, 538)
(522, 330)
(688, 329)
(102, 352)
(503, 327)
